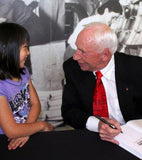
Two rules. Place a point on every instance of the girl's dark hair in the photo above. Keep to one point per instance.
(12, 37)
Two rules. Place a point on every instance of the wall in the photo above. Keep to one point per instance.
(50, 24)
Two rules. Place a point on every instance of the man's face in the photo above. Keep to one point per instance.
(86, 54)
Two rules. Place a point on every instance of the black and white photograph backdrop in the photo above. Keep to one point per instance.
(53, 26)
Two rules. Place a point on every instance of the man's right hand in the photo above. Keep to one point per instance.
(107, 133)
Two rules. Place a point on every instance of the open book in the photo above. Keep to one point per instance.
(131, 138)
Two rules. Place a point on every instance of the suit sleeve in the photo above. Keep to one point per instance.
(72, 108)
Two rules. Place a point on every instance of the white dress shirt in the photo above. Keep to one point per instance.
(108, 80)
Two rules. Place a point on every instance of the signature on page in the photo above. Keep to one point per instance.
(139, 141)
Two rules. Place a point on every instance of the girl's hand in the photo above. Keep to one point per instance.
(17, 142)
(47, 127)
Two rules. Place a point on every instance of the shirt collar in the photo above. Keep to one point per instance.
(108, 70)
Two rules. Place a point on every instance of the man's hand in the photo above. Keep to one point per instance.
(17, 142)
(107, 133)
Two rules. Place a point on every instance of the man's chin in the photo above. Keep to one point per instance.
(83, 68)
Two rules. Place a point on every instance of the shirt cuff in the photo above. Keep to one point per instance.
(92, 124)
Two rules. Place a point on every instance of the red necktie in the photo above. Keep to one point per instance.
(99, 98)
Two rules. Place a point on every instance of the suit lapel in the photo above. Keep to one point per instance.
(88, 84)
(124, 90)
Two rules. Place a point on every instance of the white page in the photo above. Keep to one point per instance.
(131, 139)
(136, 124)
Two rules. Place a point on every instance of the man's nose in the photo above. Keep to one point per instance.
(77, 55)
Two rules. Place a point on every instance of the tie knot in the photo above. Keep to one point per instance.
(99, 74)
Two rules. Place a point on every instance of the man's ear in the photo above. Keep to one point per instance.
(106, 54)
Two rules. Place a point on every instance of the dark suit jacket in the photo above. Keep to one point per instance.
(79, 87)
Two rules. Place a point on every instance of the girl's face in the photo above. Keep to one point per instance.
(24, 52)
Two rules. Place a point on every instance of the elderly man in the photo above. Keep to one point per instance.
(97, 64)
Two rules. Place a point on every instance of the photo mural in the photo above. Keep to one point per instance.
(53, 26)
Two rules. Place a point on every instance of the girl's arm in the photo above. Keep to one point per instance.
(35, 104)
(15, 130)
(32, 117)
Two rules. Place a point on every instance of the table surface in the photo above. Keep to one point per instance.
(65, 145)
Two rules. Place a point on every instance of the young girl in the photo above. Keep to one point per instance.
(19, 102)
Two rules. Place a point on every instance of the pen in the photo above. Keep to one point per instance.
(106, 122)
